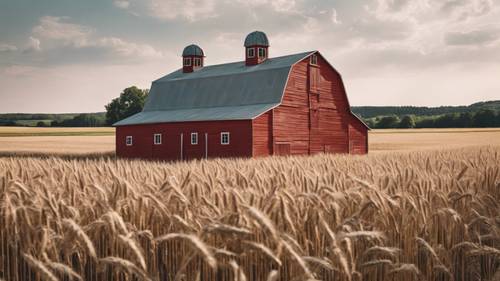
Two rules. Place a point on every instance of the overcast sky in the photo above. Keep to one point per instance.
(75, 56)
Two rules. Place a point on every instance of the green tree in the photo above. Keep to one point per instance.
(41, 124)
(447, 121)
(388, 122)
(466, 120)
(407, 122)
(485, 118)
(130, 102)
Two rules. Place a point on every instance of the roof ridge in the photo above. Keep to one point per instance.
(273, 58)
(210, 67)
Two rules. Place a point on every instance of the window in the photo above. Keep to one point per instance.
(194, 138)
(157, 139)
(314, 60)
(224, 138)
(128, 140)
(250, 52)
(197, 62)
(262, 52)
(187, 61)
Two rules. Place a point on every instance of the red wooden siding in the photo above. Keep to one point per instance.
(315, 116)
(261, 134)
(358, 138)
(143, 147)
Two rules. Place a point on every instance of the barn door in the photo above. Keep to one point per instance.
(194, 151)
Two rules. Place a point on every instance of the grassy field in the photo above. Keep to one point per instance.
(99, 140)
(394, 216)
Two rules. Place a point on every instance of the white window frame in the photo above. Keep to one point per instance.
(313, 60)
(251, 52)
(154, 139)
(127, 143)
(263, 53)
(196, 138)
(197, 61)
(222, 138)
(187, 61)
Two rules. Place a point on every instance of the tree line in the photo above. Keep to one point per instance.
(375, 111)
(131, 101)
(480, 119)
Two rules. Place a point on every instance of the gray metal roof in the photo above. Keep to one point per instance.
(256, 38)
(231, 91)
(192, 50)
(243, 112)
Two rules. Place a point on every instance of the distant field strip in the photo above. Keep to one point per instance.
(42, 132)
(102, 140)
(423, 139)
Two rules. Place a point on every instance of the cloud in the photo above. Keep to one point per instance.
(7, 47)
(168, 10)
(33, 45)
(122, 4)
(69, 40)
(471, 38)
(335, 17)
(58, 28)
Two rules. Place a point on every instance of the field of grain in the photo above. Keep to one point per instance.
(102, 140)
(397, 216)
(56, 140)
(424, 139)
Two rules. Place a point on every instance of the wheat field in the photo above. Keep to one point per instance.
(430, 215)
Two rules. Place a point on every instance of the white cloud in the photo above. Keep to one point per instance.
(192, 10)
(122, 4)
(33, 45)
(472, 38)
(58, 28)
(128, 49)
(58, 33)
(168, 10)
(335, 17)
(7, 47)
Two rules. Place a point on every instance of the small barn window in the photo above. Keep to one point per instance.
(157, 139)
(262, 52)
(187, 61)
(314, 60)
(194, 138)
(250, 52)
(197, 62)
(128, 140)
(224, 138)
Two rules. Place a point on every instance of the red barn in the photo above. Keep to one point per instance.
(294, 104)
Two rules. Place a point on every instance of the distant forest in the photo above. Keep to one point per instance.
(481, 114)
(54, 120)
(477, 115)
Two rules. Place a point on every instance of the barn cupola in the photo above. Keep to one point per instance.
(256, 48)
(192, 58)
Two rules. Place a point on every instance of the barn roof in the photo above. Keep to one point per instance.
(231, 91)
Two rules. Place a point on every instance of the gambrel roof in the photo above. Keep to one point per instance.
(231, 91)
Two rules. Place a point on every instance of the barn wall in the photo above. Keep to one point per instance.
(314, 119)
(170, 149)
(261, 134)
(358, 137)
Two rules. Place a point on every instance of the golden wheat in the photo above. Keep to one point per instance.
(400, 216)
